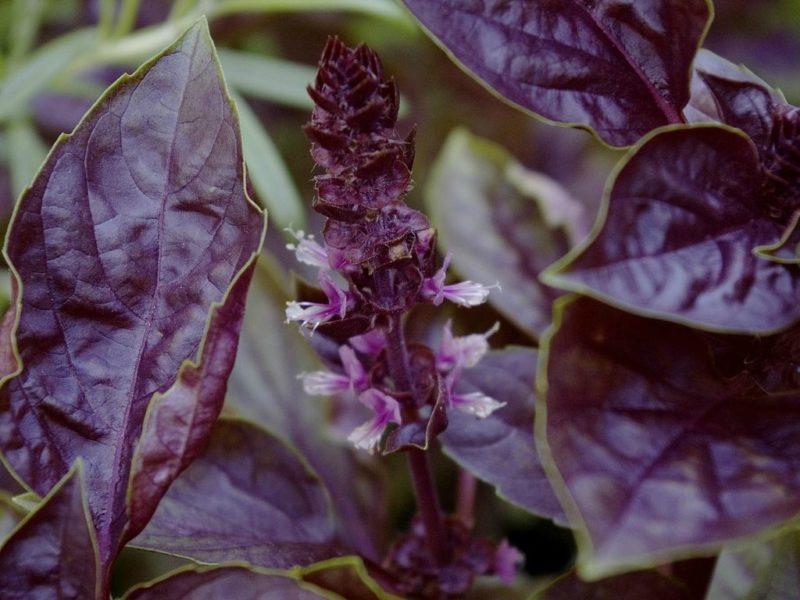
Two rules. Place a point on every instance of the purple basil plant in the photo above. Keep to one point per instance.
(648, 407)
(377, 261)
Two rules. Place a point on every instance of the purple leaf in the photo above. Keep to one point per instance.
(503, 233)
(53, 552)
(758, 571)
(249, 497)
(630, 586)
(665, 448)
(726, 93)
(677, 233)
(620, 68)
(264, 387)
(500, 449)
(179, 422)
(214, 583)
(136, 224)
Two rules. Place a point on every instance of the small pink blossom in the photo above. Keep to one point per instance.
(308, 251)
(386, 409)
(507, 560)
(464, 351)
(474, 403)
(464, 293)
(327, 383)
(314, 313)
(370, 343)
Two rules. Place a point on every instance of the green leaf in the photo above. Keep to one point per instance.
(268, 78)
(379, 8)
(27, 155)
(266, 169)
(41, 67)
(758, 571)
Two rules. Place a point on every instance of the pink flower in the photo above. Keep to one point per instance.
(507, 559)
(464, 293)
(371, 343)
(326, 383)
(386, 409)
(308, 251)
(462, 352)
(474, 403)
(314, 313)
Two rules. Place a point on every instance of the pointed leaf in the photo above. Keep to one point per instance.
(239, 582)
(53, 552)
(758, 571)
(502, 234)
(618, 67)
(248, 497)
(137, 223)
(500, 449)
(666, 446)
(179, 422)
(265, 388)
(675, 238)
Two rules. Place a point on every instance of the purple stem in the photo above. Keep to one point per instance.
(424, 488)
(465, 501)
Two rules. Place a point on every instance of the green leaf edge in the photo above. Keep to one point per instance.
(586, 566)
(357, 564)
(535, 115)
(554, 275)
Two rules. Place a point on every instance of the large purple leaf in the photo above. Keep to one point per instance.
(53, 552)
(676, 236)
(500, 449)
(618, 67)
(179, 422)
(264, 387)
(758, 571)
(239, 582)
(137, 223)
(248, 497)
(503, 233)
(662, 440)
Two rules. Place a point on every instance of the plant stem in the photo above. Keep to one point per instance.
(465, 501)
(424, 488)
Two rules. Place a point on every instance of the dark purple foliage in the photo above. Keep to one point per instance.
(500, 450)
(248, 497)
(54, 553)
(669, 442)
(620, 68)
(133, 249)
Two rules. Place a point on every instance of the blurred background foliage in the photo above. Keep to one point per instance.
(57, 57)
